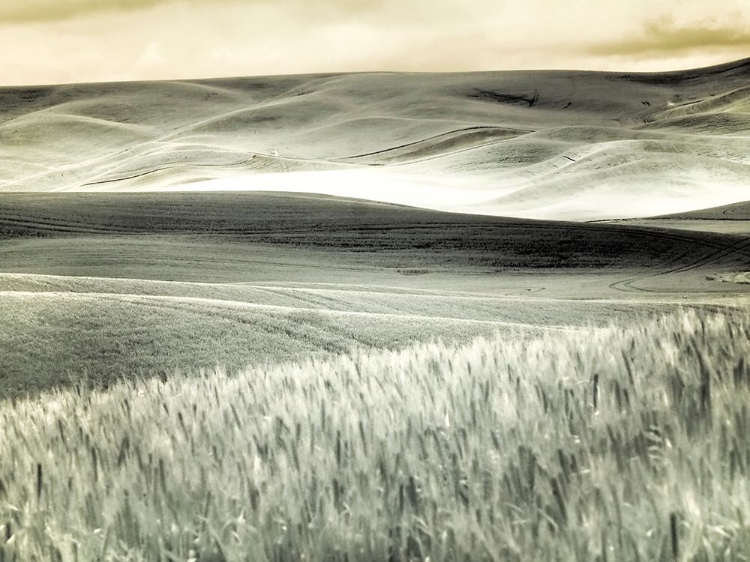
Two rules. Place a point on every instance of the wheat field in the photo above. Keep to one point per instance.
(618, 443)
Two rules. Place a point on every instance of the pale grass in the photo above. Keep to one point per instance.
(625, 443)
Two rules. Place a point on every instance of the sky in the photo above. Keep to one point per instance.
(68, 41)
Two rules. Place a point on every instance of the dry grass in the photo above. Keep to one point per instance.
(618, 444)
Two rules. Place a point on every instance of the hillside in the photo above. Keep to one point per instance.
(552, 145)
(111, 285)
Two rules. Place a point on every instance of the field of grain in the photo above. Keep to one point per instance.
(539, 144)
(619, 443)
(104, 286)
(480, 316)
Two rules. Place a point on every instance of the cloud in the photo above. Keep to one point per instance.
(664, 36)
(100, 40)
(27, 11)
(152, 55)
(21, 11)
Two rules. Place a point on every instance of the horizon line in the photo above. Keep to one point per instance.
(710, 69)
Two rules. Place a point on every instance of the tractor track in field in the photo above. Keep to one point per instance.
(738, 247)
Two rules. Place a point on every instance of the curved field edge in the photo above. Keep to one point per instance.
(625, 443)
(53, 339)
(55, 331)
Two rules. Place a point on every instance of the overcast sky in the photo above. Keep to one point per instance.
(53, 41)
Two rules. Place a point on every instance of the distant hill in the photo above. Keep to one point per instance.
(538, 144)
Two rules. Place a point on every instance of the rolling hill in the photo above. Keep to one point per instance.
(545, 145)
(110, 285)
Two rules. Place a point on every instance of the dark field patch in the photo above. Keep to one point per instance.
(395, 236)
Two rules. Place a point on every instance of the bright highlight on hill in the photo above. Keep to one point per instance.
(547, 145)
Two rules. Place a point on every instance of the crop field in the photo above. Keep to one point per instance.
(619, 443)
(104, 286)
(377, 317)
(367, 233)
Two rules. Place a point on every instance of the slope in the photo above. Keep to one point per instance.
(556, 145)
